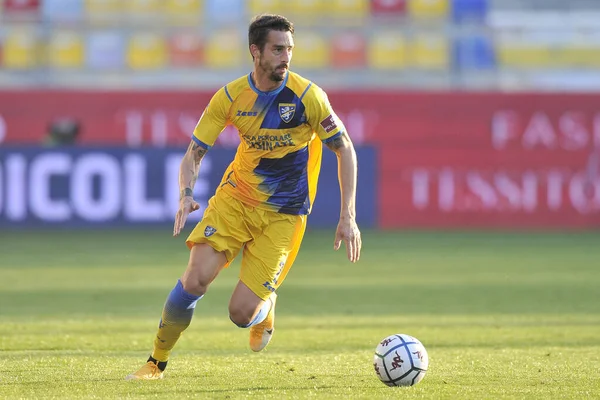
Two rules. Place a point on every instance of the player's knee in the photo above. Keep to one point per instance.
(194, 285)
(240, 317)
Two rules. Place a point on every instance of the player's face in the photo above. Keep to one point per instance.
(275, 58)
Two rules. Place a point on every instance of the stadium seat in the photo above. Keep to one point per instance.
(266, 6)
(387, 50)
(104, 12)
(349, 12)
(474, 52)
(183, 12)
(526, 55)
(144, 11)
(348, 50)
(225, 11)
(146, 51)
(186, 50)
(105, 50)
(311, 51)
(577, 55)
(428, 9)
(65, 50)
(62, 10)
(387, 8)
(430, 52)
(21, 49)
(224, 50)
(587, 56)
(469, 10)
(308, 12)
(20, 10)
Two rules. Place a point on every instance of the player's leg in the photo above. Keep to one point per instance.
(246, 308)
(203, 267)
(213, 244)
(266, 261)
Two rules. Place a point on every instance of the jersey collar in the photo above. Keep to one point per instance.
(273, 92)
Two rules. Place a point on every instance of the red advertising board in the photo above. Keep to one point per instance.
(491, 160)
(483, 188)
(445, 159)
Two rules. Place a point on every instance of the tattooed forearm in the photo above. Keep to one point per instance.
(187, 192)
(188, 172)
(198, 152)
(339, 142)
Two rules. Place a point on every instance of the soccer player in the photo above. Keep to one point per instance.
(260, 207)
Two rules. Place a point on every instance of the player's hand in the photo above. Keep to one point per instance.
(186, 206)
(348, 232)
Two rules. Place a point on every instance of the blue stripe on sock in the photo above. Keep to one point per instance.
(180, 305)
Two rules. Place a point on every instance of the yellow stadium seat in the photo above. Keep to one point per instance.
(387, 50)
(183, 12)
(577, 55)
(21, 50)
(524, 55)
(307, 12)
(430, 51)
(144, 10)
(225, 50)
(311, 51)
(266, 6)
(146, 51)
(349, 11)
(428, 9)
(104, 12)
(65, 50)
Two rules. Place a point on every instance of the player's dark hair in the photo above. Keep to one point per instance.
(262, 24)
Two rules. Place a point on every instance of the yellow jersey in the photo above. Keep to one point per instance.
(277, 163)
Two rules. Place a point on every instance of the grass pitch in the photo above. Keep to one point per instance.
(502, 316)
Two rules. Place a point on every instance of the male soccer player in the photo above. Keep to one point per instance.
(265, 195)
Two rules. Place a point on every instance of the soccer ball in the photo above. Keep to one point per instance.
(400, 360)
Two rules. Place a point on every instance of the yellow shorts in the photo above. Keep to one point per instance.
(270, 240)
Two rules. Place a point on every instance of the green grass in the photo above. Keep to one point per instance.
(502, 315)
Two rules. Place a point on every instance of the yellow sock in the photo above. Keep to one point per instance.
(176, 317)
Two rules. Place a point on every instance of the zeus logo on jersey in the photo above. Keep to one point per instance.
(241, 113)
(287, 111)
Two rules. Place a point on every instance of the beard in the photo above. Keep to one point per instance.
(271, 72)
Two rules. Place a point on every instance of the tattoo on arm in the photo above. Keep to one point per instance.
(186, 192)
(338, 142)
(198, 152)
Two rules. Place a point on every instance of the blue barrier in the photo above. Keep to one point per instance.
(475, 52)
(117, 187)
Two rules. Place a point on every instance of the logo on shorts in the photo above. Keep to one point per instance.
(209, 231)
(269, 286)
(287, 111)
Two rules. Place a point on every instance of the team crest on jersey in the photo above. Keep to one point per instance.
(287, 111)
(209, 231)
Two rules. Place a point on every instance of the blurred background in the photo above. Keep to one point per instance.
(436, 44)
(477, 128)
(465, 113)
